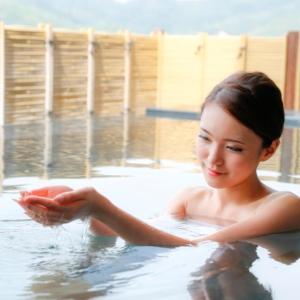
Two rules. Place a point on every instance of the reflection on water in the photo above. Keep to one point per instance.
(226, 269)
(78, 148)
(63, 263)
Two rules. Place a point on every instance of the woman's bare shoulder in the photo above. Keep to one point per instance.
(193, 192)
(282, 200)
(282, 195)
(196, 189)
(280, 213)
(179, 203)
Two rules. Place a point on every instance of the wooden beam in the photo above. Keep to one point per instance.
(291, 69)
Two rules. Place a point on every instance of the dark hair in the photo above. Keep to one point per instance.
(254, 100)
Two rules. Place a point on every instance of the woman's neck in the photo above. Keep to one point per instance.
(248, 191)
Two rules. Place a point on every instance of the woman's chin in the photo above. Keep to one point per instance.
(217, 183)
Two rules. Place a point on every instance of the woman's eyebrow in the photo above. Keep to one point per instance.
(227, 139)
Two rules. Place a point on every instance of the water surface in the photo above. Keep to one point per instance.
(140, 163)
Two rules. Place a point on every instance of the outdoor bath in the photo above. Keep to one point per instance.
(94, 94)
(132, 160)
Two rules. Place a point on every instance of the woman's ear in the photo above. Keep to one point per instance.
(269, 151)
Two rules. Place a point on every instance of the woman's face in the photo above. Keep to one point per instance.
(228, 151)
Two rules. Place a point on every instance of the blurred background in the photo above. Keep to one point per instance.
(259, 17)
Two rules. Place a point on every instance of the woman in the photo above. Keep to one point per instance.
(241, 123)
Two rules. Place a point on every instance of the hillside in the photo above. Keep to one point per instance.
(258, 17)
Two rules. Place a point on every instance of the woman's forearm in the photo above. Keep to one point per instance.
(132, 229)
(99, 228)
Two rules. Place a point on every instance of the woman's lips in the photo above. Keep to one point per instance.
(214, 173)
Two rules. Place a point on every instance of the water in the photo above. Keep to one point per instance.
(140, 163)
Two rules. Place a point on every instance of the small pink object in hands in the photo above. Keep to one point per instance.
(39, 205)
(48, 191)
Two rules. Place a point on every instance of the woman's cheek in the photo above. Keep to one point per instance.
(201, 151)
(241, 164)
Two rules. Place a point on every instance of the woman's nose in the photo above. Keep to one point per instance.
(215, 156)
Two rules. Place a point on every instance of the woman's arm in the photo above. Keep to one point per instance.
(89, 203)
(175, 208)
(99, 228)
(280, 215)
(135, 230)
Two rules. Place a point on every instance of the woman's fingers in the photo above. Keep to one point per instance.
(24, 193)
(201, 239)
(39, 201)
(45, 219)
(46, 216)
(49, 209)
(72, 196)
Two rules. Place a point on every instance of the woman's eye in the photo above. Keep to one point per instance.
(234, 149)
(203, 137)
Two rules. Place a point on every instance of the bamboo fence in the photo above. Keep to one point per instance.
(70, 74)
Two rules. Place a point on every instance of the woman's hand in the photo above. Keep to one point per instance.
(49, 192)
(63, 208)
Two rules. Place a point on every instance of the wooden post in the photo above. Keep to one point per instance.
(127, 71)
(49, 70)
(287, 151)
(291, 69)
(48, 145)
(91, 72)
(126, 138)
(2, 74)
(89, 145)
